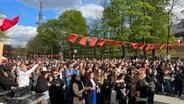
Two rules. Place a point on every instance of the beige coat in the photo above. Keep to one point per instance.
(78, 93)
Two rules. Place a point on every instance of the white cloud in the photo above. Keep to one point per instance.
(177, 10)
(20, 35)
(2, 16)
(89, 8)
(91, 11)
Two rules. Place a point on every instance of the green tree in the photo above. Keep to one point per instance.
(73, 22)
(49, 34)
(138, 21)
(129, 19)
(34, 45)
(53, 33)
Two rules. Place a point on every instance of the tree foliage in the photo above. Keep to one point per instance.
(73, 22)
(144, 21)
(53, 33)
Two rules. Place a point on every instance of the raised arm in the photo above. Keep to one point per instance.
(33, 68)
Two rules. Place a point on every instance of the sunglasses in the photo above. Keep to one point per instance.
(55, 73)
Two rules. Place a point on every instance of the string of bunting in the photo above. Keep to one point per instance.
(32, 55)
(93, 41)
(45, 56)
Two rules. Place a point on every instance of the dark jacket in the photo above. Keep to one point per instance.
(179, 76)
(88, 97)
(131, 84)
(142, 87)
(57, 92)
(6, 83)
(150, 78)
(42, 85)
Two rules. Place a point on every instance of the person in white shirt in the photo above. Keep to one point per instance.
(23, 74)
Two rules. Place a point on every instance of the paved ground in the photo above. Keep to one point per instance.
(162, 99)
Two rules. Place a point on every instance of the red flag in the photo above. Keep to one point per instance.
(163, 46)
(157, 45)
(101, 42)
(175, 45)
(153, 46)
(72, 38)
(181, 42)
(140, 46)
(117, 43)
(147, 47)
(15, 20)
(9, 23)
(172, 45)
(83, 40)
(93, 41)
(134, 45)
(150, 46)
(108, 42)
(123, 43)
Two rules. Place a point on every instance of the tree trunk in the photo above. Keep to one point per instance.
(72, 52)
(101, 52)
(144, 51)
(153, 53)
(94, 51)
(168, 34)
(123, 51)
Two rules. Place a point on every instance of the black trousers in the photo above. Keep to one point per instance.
(131, 100)
(178, 87)
(142, 102)
(151, 97)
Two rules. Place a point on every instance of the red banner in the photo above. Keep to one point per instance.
(83, 40)
(141, 46)
(72, 38)
(134, 45)
(108, 42)
(93, 41)
(163, 46)
(101, 42)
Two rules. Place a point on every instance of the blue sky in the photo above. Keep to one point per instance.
(28, 11)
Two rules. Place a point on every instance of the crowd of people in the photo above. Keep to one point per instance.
(102, 81)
